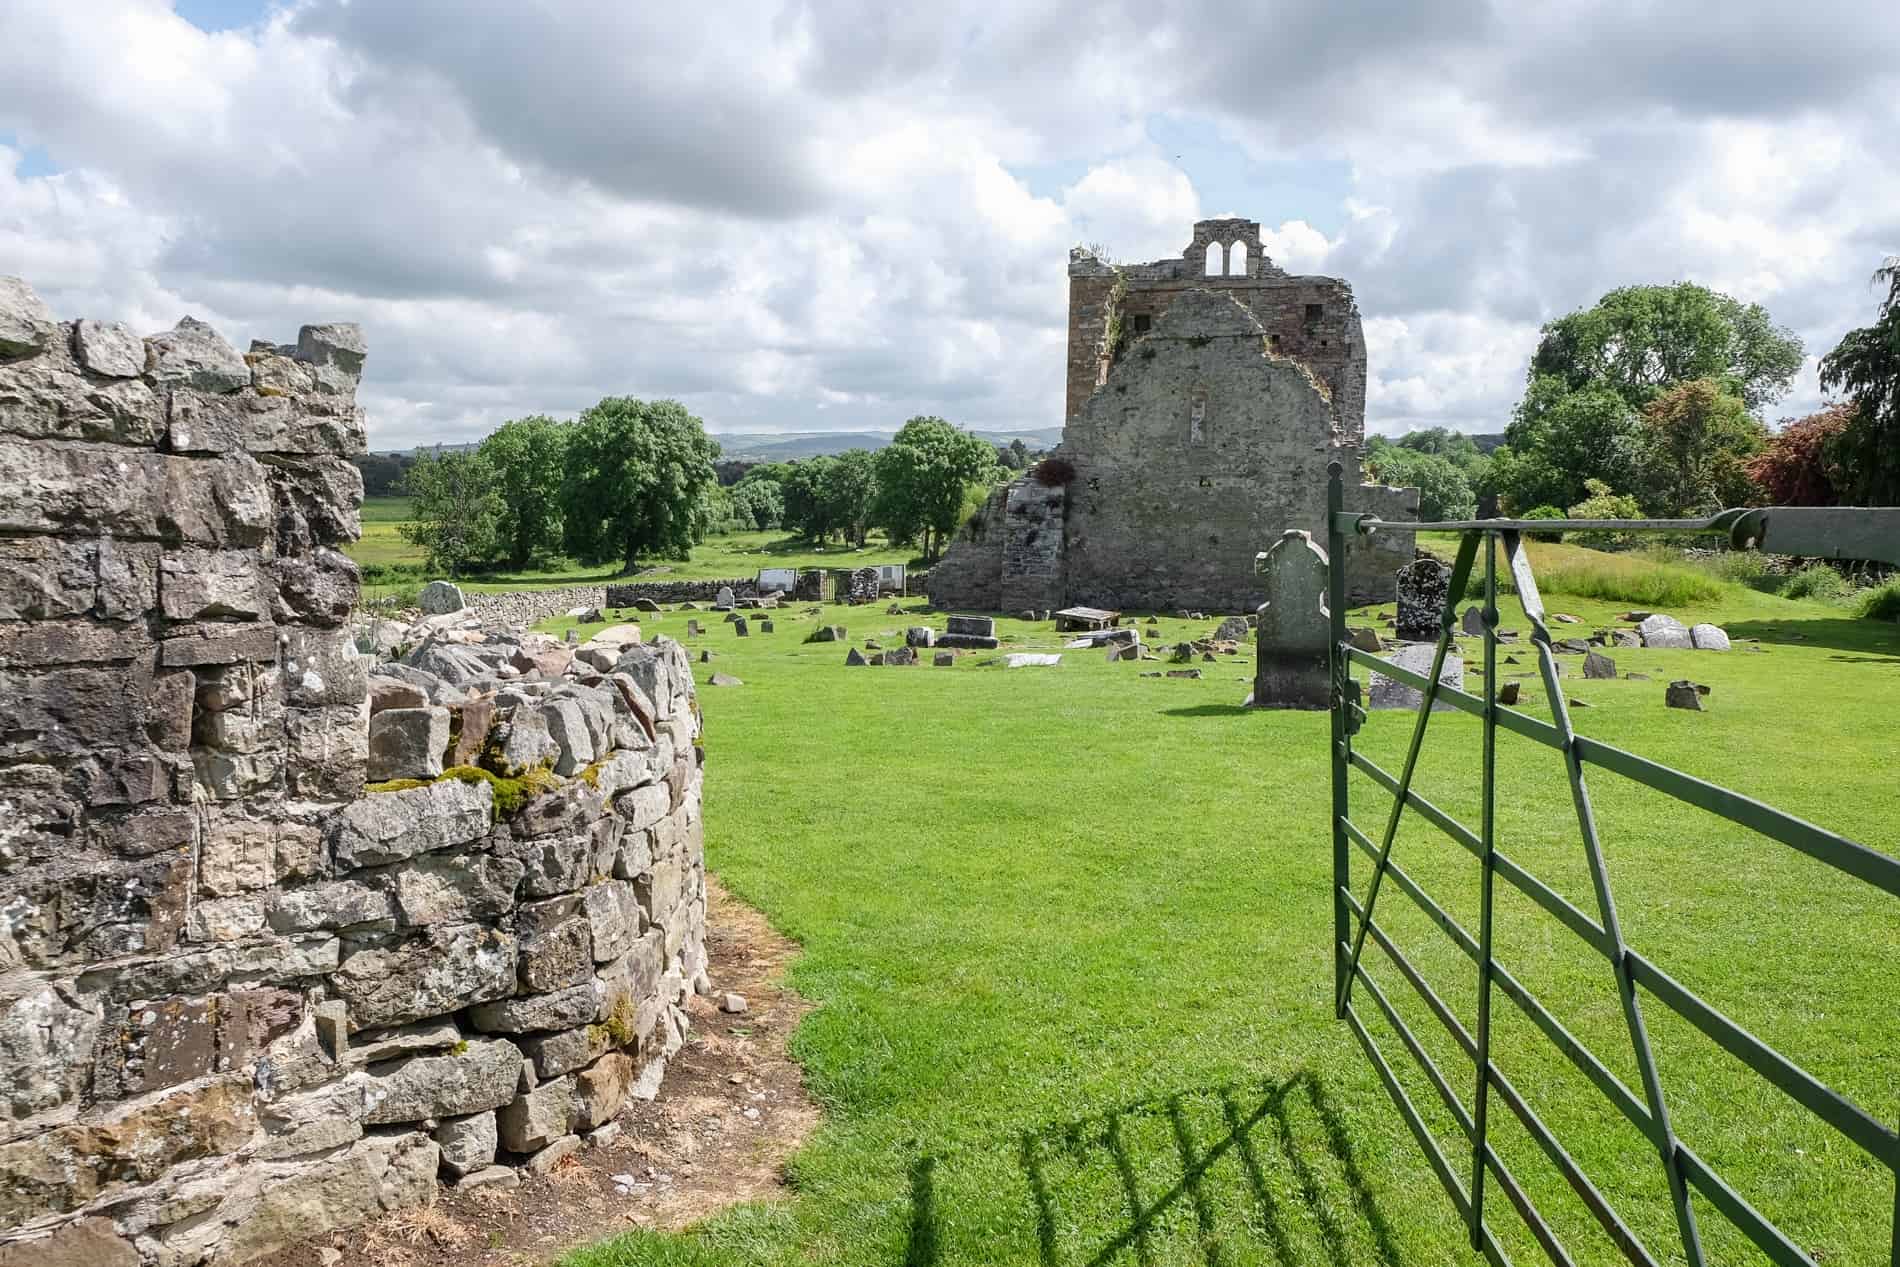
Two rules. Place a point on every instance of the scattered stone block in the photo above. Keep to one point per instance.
(733, 1004)
(855, 658)
(944, 659)
(1597, 665)
(919, 636)
(468, 1143)
(1684, 694)
(1664, 631)
(554, 1153)
(1708, 638)
(901, 656)
(765, 626)
(499, 1177)
(1030, 659)
(1508, 693)
(724, 679)
(827, 633)
(1364, 638)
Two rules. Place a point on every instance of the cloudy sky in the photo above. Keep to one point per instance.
(832, 216)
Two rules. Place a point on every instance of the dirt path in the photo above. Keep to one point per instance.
(732, 1109)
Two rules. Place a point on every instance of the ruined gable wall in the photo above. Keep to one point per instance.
(1168, 513)
(242, 998)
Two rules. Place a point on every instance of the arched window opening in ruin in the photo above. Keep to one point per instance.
(1237, 260)
(1213, 259)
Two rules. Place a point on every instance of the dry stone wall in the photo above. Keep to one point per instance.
(246, 996)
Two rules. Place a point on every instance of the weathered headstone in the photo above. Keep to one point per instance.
(438, 598)
(739, 627)
(1473, 622)
(1684, 694)
(1294, 626)
(1423, 586)
(975, 632)
(765, 626)
(919, 636)
(1385, 692)
(724, 600)
(944, 659)
(1598, 665)
(854, 657)
(692, 629)
(1364, 638)
(1508, 693)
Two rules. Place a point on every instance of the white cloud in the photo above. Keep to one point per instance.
(794, 215)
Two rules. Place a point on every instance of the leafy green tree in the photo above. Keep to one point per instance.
(638, 473)
(1638, 341)
(805, 510)
(456, 509)
(1866, 365)
(1603, 503)
(849, 490)
(528, 457)
(923, 476)
(1444, 492)
(1697, 443)
(759, 504)
(1597, 369)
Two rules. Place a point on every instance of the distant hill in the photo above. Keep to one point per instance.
(787, 446)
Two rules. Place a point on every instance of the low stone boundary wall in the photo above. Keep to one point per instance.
(245, 998)
(531, 607)
(680, 591)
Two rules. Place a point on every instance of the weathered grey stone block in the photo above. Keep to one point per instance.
(613, 913)
(558, 956)
(535, 1120)
(561, 1009)
(451, 967)
(446, 887)
(479, 1075)
(567, 1050)
(387, 827)
(1385, 692)
(407, 743)
(440, 598)
(468, 1143)
(337, 904)
(27, 325)
(192, 354)
(108, 348)
(1708, 637)
(560, 864)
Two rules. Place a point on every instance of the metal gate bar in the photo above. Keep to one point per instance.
(1832, 532)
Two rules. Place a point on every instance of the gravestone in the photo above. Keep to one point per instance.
(1473, 622)
(739, 627)
(1293, 626)
(765, 626)
(724, 601)
(692, 629)
(1233, 629)
(1385, 692)
(1422, 595)
(901, 655)
(438, 598)
(973, 632)
(1684, 694)
(919, 636)
(1598, 665)
(944, 659)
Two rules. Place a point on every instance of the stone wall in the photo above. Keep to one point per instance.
(626, 595)
(245, 997)
(531, 607)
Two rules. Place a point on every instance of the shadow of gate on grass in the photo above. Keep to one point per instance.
(1258, 1172)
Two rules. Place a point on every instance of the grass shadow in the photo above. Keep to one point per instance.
(1232, 1173)
(1876, 638)
(1205, 710)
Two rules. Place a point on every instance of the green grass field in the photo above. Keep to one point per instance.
(737, 554)
(1068, 932)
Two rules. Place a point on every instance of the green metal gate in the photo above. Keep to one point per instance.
(1838, 533)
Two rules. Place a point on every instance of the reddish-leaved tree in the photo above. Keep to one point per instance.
(1800, 466)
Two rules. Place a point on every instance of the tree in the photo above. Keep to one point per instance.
(1697, 441)
(1801, 465)
(805, 510)
(1641, 340)
(456, 508)
(759, 504)
(849, 489)
(528, 457)
(1444, 492)
(1866, 365)
(637, 478)
(1597, 369)
(1603, 503)
(923, 475)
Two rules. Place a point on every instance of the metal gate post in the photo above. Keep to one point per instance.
(1341, 700)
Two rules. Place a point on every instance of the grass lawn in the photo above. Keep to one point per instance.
(737, 554)
(1068, 930)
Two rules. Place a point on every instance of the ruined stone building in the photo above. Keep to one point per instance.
(1206, 397)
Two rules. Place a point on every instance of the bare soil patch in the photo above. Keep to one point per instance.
(732, 1109)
